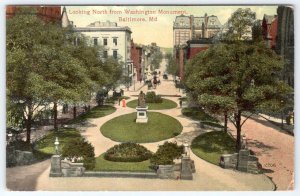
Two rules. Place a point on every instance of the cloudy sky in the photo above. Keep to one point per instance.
(159, 31)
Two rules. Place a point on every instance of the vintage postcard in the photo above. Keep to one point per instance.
(150, 98)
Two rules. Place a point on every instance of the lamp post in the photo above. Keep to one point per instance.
(56, 143)
(9, 138)
(186, 149)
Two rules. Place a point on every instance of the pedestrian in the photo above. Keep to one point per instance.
(180, 103)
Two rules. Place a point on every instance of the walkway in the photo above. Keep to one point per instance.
(207, 176)
(274, 149)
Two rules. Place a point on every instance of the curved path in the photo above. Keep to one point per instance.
(207, 176)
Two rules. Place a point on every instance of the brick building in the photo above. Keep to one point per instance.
(187, 52)
(269, 30)
(46, 13)
(136, 57)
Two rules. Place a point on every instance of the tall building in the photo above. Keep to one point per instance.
(189, 27)
(285, 41)
(46, 13)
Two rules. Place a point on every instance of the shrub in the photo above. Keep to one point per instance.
(151, 97)
(80, 150)
(166, 153)
(127, 152)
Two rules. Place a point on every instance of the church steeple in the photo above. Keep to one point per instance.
(64, 19)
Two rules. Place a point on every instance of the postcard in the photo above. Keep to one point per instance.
(150, 98)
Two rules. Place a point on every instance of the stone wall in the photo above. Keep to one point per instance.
(18, 157)
(242, 161)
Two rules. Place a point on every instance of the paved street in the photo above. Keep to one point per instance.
(272, 147)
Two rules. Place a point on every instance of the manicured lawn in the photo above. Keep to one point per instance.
(125, 129)
(197, 114)
(104, 165)
(166, 104)
(96, 112)
(46, 144)
(210, 146)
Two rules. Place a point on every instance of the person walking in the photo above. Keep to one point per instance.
(180, 103)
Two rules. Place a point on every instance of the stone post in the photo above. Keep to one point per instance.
(186, 170)
(55, 166)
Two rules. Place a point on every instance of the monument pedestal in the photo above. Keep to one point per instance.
(55, 166)
(186, 168)
(141, 114)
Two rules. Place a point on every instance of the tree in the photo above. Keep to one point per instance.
(24, 86)
(240, 24)
(40, 70)
(156, 58)
(172, 67)
(237, 77)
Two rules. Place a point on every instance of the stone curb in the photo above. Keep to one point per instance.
(120, 174)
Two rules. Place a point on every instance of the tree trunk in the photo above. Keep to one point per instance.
(238, 130)
(74, 112)
(28, 128)
(55, 116)
(28, 121)
(225, 121)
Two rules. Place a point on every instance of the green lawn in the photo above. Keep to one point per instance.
(96, 112)
(210, 146)
(166, 104)
(46, 144)
(197, 114)
(104, 165)
(125, 129)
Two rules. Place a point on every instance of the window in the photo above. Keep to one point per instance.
(105, 54)
(115, 54)
(115, 41)
(95, 41)
(105, 42)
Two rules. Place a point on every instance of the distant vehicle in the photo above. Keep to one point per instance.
(165, 76)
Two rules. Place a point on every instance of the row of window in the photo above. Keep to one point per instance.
(105, 41)
(115, 54)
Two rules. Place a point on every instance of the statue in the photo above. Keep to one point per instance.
(141, 100)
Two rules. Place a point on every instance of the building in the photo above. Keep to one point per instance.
(46, 13)
(186, 52)
(189, 27)
(285, 41)
(136, 57)
(113, 40)
(269, 30)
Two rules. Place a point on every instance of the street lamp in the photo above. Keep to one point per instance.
(56, 143)
(186, 149)
(9, 138)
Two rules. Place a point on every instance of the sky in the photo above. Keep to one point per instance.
(161, 30)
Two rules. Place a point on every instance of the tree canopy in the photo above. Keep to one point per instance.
(237, 77)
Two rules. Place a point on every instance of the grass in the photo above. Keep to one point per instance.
(46, 144)
(125, 129)
(105, 165)
(197, 114)
(95, 112)
(166, 104)
(210, 146)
